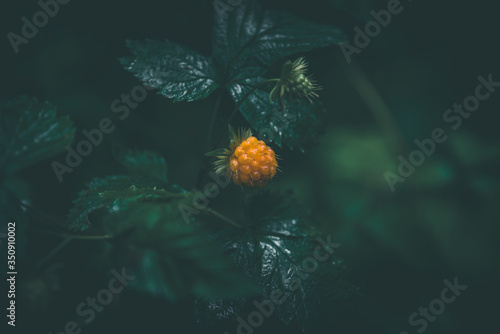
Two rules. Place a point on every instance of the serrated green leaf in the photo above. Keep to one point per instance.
(178, 72)
(30, 131)
(249, 36)
(111, 192)
(147, 181)
(171, 258)
(272, 252)
(294, 126)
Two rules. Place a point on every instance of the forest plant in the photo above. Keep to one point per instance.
(224, 263)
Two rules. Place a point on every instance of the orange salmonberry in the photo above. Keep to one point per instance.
(258, 162)
(248, 161)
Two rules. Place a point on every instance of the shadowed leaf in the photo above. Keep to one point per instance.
(30, 131)
(171, 258)
(272, 252)
(293, 127)
(249, 36)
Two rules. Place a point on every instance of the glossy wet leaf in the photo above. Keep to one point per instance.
(147, 181)
(89, 200)
(169, 256)
(249, 36)
(272, 252)
(248, 39)
(114, 193)
(176, 71)
(30, 131)
(293, 126)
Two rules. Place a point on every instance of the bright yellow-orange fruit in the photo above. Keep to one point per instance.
(248, 161)
(252, 163)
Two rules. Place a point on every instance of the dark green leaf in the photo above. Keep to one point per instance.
(272, 252)
(294, 126)
(148, 171)
(175, 70)
(249, 36)
(171, 258)
(90, 200)
(30, 131)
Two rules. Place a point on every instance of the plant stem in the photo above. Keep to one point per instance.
(204, 159)
(67, 239)
(79, 237)
(212, 121)
(53, 252)
(221, 216)
(257, 86)
(375, 103)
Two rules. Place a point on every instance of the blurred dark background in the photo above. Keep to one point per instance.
(440, 224)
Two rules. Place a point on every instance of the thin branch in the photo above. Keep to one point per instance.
(204, 161)
(212, 121)
(375, 103)
(77, 236)
(221, 216)
(53, 252)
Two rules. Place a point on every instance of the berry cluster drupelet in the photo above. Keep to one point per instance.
(300, 84)
(252, 163)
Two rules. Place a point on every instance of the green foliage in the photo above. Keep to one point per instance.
(293, 126)
(251, 37)
(171, 258)
(178, 73)
(244, 45)
(30, 131)
(92, 199)
(276, 237)
(140, 213)
(148, 171)
(168, 256)
(242, 245)
(271, 251)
